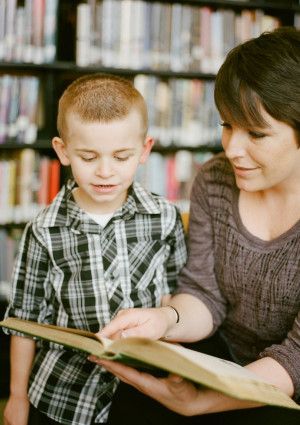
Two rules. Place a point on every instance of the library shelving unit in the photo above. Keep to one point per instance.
(171, 49)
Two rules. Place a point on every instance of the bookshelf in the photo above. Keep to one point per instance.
(171, 49)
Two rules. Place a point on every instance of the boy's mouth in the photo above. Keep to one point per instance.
(104, 187)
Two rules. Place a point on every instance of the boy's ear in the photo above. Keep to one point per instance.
(149, 142)
(60, 149)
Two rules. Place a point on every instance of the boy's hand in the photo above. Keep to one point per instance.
(150, 323)
(16, 411)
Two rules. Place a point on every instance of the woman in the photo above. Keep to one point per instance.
(242, 278)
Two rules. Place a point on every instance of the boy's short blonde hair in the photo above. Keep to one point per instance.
(100, 97)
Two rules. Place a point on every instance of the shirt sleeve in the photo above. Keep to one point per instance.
(288, 355)
(29, 291)
(177, 256)
(197, 277)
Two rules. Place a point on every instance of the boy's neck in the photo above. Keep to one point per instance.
(103, 208)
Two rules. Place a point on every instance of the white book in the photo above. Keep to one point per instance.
(137, 34)
(2, 29)
(228, 31)
(127, 20)
(32, 104)
(38, 30)
(97, 41)
(50, 27)
(5, 87)
(155, 34)
(28, 46)
(9, 40)
(116, 16)
(217, 40)
(147, 35)
(165, 36)
(185, 37)
(13, 110)
(83, 34)
(175, 53)
(107, 33)
(20, 30)
(205, 28)
(183, 165)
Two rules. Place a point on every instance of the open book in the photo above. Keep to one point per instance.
(209, 371)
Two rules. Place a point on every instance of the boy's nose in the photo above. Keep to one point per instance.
(104, 169)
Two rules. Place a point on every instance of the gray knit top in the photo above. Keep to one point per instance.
(251, 286)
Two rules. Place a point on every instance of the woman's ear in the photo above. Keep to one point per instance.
(61, 151)
(149, 142)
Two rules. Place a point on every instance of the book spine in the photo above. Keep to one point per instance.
(44, 174)
(54, 179)
(2, 29)
(11, 7)
(83, 42)
(50, 27)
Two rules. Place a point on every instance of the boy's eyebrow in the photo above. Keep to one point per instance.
(85, 150)
(117, 151)
(124, 150)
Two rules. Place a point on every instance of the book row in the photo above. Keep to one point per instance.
(181, 111)
(172, 175)
(28, 30)
(20, 108)
(161, 36)
(29, 182)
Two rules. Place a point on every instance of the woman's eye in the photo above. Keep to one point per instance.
(225, 125)
(256, 134)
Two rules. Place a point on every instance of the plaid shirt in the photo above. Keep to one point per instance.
(72, 272)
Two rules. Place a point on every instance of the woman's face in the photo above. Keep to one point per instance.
(262, 158)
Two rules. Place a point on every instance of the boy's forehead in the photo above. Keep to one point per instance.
(133, 120)
(115, 135)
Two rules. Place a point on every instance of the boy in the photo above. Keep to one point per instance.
(104, 244)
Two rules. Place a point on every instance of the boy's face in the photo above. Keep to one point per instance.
(104, 158)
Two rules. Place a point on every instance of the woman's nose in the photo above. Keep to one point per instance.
(234, 144)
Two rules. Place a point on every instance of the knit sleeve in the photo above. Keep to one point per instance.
(197, 277)
(288, 355)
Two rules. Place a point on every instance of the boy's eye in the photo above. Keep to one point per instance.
(87, 159)
(121, 158)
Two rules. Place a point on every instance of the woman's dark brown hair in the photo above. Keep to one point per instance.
(264, 71)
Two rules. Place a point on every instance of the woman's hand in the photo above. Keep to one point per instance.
(174, 392)
(150, 323)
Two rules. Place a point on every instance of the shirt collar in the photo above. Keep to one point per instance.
(64, 211)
